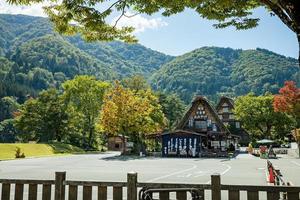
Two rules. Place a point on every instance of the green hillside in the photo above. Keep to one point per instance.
(33, 57)
(214, 71)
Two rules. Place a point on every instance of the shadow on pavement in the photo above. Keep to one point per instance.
(127, 158)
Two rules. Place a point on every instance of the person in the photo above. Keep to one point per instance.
(271, 153)
(231, 147)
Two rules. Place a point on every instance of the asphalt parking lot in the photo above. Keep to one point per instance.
(243, 169)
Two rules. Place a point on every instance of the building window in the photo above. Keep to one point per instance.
(231, 116)
(214, 127)
(225, 116)
(220, 116)
(208, 123)
(237, 125)
(191, 123)
(201, 124)
(225, 109)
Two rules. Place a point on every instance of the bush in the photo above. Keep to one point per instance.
(19, 154)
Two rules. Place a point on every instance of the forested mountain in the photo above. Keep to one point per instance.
(214, 71)
(33, 57)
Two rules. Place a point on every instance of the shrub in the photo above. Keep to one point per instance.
(19, 154)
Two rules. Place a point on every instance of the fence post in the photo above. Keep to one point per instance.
(60, 177)
(215, 187)
(132, 186)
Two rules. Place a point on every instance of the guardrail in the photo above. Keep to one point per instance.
(69, 189)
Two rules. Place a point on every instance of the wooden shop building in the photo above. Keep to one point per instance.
(200, 133)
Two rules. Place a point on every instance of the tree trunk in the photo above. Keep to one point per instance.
(91, 133)
(268, 131)
(123, 144)
(298, 38)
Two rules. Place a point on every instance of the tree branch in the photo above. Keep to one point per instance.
(122, 14)
(279, 11)
(129, 16)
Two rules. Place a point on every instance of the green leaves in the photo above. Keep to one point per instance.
(82, 17)
(72, 17)
(85, 95)
(259, 118)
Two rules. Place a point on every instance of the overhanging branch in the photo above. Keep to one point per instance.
(280, 12)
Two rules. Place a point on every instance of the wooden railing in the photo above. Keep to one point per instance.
(32, 189)
(70, 189)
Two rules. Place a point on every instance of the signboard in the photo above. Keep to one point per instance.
(215, 143)
(223, 143)
(129, 144)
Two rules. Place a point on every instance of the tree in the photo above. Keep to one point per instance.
(43, 119)
(288, 100)
(93, 23)
(129, 114)
(259, 118)
(136, 83)
(172, 107)
(41, 78)
(139, 86)
(8, 133)
(8, 105)
(85, 94)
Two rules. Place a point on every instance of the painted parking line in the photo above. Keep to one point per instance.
(172, 174)
(228, 167)
(294, 162)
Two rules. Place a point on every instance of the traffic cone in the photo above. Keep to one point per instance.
(271, 176)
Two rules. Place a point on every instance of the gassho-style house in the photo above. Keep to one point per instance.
(201, 132)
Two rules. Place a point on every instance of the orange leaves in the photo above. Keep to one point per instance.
(288, 98)
(126, 112)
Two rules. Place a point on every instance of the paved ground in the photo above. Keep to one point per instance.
(244, 169)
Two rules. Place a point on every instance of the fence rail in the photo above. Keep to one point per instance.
(19, 186)
(70, 189)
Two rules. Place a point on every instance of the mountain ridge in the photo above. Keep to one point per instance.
(34, 57)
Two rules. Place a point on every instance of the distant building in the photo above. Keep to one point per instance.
(200, 133)
(115, 143)
(225, 112)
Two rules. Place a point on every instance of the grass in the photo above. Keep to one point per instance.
(7, 150)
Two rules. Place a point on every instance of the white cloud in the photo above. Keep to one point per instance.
(33, 10)
(139, 22)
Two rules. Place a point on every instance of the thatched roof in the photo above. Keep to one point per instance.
(227, 100)
(203, 101)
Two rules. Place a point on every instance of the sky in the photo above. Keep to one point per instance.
(186, 31)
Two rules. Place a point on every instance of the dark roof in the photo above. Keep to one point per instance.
(224, 99)
(195, 103)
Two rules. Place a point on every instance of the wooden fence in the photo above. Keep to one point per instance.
(69, 189)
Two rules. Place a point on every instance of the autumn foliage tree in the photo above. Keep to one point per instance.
(130, 114)
(288, 100)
